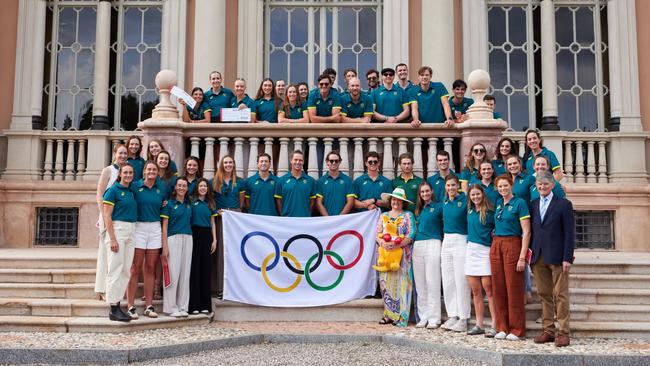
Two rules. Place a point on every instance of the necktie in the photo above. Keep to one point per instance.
(542, 207)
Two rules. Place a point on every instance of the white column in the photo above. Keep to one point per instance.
(549, 66)
(239, 156)
(448, 143)
(58, 163)
(102, 66)
(345, 159)
(283, 157)
(69, 161)
(591, 162)
(208, 164)
(81, 164)
(602, 162)
(580, 167)
(327, 143)
(401, 149)
(250, 40)
(395, 34)
(252, 156)
(174, 18)
(388, 169)
(298, 144)
(623, 66)
(47, 166)
(312, 170)
(358, 166)
(418, 169)
(223, 147)
(268, 148)
(372, 144)
(194, 143)
(432, 159)
(209, 40)
(438, 18)
(475, 35)
(568, 161)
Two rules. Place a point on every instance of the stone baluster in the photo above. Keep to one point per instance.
(602, 162)
(591, 162)
(358, 167)
(268, 148)
(372, 144)
(69, 161)
(58, 164)
(448, 143)
(239, 156)
(568, 161)
(401, 149)
(195, 142)
(81, 160)
(252, 156)
(345, 158)
(208, 164)
(283, 158)
(522, 147)
(580, 163)
(312, 168)
(432, 162)
(327, 144)
(388, 169)
(418, 168)
(47, 165)
(223, 147)
(298, 144)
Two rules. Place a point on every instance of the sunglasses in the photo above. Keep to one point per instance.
(389, 74)
(478, 151)
(323, 84)
(372, 78)
(334, 161)
(373, 162)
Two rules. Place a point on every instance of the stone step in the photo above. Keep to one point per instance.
(17, 323)
(598, 313)
(611, 262)
(600, 296)
(48, 290)
(356, 310)
(610, 281)
(45, 275)
(50, 258)
(63, 307)
(626, 330)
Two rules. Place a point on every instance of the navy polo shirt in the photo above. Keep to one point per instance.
(149, 201)
(296, 194)
(430, 222)
(217, 101)
(334, 192)
(478, 232)
(508, 216)
(124, 206)
(179, 215)
(429, 102)
(454, 214)
(260, 194)
(202, 214)
(366, 188)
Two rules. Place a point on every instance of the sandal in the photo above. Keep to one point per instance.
(385, 321)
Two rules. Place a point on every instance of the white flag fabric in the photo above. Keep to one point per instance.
(298, 261)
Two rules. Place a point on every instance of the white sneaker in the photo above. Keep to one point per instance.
(421, 324)
(133, 313)
(205, 311)
(195, 312)
(449, 323)
(184, 314)
(150, 312)
(500, 335)
(512, 337)
(460, 326)
(176, 314)
(432, 324)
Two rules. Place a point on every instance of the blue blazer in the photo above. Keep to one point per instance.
(553, 238)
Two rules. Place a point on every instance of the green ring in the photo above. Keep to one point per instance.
(323, 288)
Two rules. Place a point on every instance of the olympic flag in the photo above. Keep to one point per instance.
(296, 261)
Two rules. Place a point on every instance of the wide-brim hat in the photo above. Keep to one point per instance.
(397, 193)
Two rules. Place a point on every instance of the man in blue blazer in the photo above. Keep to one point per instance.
(552, 243)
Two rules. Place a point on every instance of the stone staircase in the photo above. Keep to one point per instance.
(52, 289)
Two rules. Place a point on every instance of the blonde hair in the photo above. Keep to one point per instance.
(217, 182)
(482, 207)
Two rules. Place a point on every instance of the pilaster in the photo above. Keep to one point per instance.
(209, 40)
(102, 66)
(549, 67)
(250, 41)
(438, 18)
(395, 33)
(475, 35)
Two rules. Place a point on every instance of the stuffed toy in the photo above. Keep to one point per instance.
(389, 259)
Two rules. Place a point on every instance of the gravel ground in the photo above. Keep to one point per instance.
(316, 354)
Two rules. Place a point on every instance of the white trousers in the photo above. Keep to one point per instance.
(102, 265)
(426, 273)
(176, 297)
(457, 294)
(119, 264)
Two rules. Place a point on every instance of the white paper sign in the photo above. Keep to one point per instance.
(182, 94)
(235, 115)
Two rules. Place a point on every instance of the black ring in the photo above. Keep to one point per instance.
(303, 236)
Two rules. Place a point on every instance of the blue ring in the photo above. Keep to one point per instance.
(275, 245)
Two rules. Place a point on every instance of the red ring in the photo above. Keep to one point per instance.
(331, 242)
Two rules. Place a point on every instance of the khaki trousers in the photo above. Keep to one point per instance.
(553, 290)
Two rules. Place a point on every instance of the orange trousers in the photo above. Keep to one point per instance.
(507, 286)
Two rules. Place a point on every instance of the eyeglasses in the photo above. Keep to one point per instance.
(389, 74)
(373, 162)
(324, 84)
(334, 161)
(479, 151)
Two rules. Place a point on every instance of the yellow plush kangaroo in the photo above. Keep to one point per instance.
(389, 259)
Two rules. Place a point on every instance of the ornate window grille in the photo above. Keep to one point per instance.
(304, 37)
(57, 226)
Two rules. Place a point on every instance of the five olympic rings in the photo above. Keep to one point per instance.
(291, 262)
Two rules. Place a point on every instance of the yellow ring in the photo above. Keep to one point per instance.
(295, 283)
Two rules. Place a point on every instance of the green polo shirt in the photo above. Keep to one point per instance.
(198, 112)
(264, 110)
(295, 112)
(217, 101)
(247, 101)
(429, 102)
(410, 188)
(461, 107)
(522, 184)
(124, 206)
(202, 214)
(179, 215)
(430, 222)
(555, 164)
(390, 102)
(296, 194)
(467, 175)
(366, 188)
(166, 185)
(191, 186)
(358, 109)
(499, 167)
(477, 232)
(490, 190)
(496, 115)
(260, 194)
(149, 201)
(228, 198)
(323, 107)
(173, 167)
(438, 184)
(508, 216)
(557, 191)
(138, 167)
(410, 86)
(334, 192)
(454, 215)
